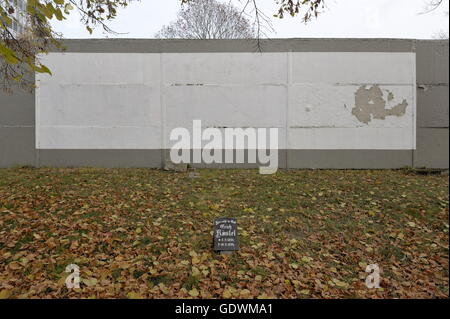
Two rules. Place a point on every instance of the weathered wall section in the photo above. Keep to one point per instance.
(338, 103)
(432, 104)
(17, 128)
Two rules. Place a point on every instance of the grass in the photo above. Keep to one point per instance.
(147, 233)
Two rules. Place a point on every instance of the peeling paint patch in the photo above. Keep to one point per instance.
(370, 104)
(390, 96)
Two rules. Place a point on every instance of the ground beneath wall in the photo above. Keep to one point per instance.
(142, 233)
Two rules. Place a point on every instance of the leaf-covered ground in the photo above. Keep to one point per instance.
(147, 233)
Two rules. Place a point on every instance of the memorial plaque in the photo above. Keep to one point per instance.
(225, 234)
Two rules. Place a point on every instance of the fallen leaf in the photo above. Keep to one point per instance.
(194, 292)
(5, 294)
(226, 294)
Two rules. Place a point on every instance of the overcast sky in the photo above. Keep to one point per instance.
(341, 19)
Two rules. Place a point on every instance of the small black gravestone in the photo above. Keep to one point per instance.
(225, 235)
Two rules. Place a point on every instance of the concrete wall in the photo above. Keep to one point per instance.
(17, 128)
(432, 104)
(113, 103)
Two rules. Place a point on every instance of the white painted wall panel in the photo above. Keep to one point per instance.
(96, 100)
(80, 137)
(100, 105)
(353, 67)
(225, 68)
(265, 138)
(106, 68)
(327, 105)
(365, 138)
(222, 106)
(132, 101)
(226, 106)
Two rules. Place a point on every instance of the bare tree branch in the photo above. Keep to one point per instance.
(431, 5)
(208, 19)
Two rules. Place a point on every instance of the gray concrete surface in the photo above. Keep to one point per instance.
(432, 148)
(273, 45)
(432, 67)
